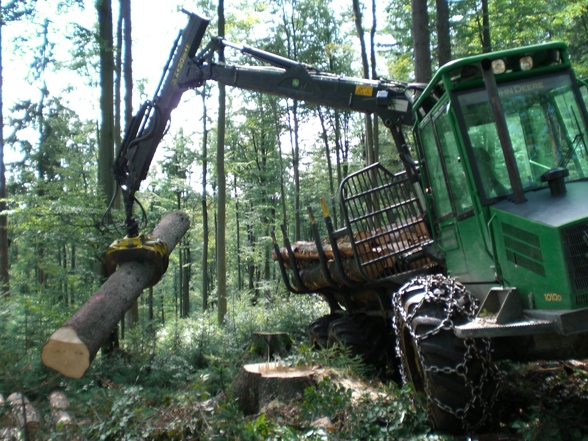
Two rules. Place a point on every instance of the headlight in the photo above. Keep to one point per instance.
(526, 63)
(498, 66)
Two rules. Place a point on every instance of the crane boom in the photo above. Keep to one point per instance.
(185, 70)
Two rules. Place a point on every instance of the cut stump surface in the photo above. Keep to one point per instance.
(256, 385)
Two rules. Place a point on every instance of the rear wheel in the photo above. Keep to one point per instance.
(456, 376)
(370, 337)
(318, 330)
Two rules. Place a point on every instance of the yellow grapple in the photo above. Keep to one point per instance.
(139, 248)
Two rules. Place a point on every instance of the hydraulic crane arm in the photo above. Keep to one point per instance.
(186, 70)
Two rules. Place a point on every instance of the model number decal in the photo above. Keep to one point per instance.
(552, 297)
(364, 90)
(183, 58)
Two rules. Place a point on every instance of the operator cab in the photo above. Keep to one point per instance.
(502, 137)
(545, 124)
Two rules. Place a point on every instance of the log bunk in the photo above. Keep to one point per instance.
(378, 254)
(383, 244)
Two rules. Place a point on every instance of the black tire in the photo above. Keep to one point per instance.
(318, 331)
(370, 337)
(457, 376)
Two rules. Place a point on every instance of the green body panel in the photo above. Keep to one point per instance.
(530, 256)
(531, 247)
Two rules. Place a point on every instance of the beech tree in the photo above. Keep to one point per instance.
(4, 274)
(221, 259)
(370, 151)
(421, 41)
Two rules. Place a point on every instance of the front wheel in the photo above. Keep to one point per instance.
(457, 376)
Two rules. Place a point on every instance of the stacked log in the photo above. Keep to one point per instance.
(384, 246)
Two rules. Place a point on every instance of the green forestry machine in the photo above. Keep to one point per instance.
(477, 252)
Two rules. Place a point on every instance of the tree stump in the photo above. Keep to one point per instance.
(256, 385)
(270, 344)
(71, 349)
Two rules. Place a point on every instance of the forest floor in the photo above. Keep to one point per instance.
(543, 401)
(179, 394)
(540, 401)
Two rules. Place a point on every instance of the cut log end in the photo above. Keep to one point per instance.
(66, 353)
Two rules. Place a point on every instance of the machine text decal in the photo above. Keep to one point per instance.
(552, 297)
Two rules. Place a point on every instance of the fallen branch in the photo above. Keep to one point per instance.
(71, 348)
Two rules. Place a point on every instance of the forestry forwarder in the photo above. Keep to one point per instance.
(477, 252)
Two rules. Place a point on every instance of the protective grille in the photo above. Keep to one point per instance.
(523, 249)
(383, 216)
(575, 242)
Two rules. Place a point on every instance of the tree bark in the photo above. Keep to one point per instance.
(187, 269)
(443, 36)
(421, 41)
(71, 349)
(486, 41)
(106, 151)
(204, 201)
(4, 274)
(221, 245)
(127, 60)
(369, 131)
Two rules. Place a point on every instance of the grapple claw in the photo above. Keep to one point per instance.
(139, 248)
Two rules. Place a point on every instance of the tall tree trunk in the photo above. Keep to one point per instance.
(106, 150)
(43, 156)
(443, 37)
(123, 72)
(325, 137)
(186, 270)
(421, 41)
(251, 242)
(238, 228)
(281, 162)
(72, 266)
(221, 260)
(204, 205)
(4, 274)
(296, 166)
(376, 123)
(486, 41)
(127, 60)
(126, 72)
(106, 130)
(117, 79)
(289, 22)
(369, 138)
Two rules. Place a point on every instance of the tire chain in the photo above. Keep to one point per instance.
(458, 301)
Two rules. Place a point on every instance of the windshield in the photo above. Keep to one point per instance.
(545, 126)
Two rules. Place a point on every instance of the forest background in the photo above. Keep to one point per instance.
(74, 71)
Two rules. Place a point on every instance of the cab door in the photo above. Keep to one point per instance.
(447, 191)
